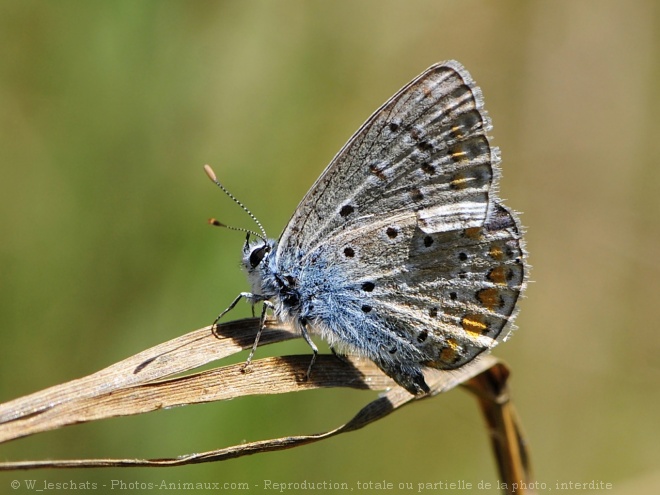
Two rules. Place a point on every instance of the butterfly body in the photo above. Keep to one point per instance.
(401, 252)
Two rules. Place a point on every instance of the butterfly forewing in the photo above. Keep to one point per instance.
(425, 150)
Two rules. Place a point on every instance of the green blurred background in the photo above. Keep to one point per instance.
(108, 110)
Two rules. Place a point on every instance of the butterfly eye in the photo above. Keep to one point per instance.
(257, 255)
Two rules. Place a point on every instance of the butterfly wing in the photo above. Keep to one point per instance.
(407, 299)
(424, 150)
(400, 249)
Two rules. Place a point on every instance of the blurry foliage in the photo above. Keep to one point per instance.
(110, 109)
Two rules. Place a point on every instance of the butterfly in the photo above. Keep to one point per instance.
(401, 251)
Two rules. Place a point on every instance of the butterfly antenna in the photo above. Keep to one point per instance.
(217, 223)
(209, 171)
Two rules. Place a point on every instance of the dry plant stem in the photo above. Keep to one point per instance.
(507, 438)
(139, 378)
(139, 384)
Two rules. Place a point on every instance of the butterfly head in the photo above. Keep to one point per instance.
(257, 257)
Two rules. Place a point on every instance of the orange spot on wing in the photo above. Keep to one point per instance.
(448, 354)
(457, 152)
(474, 325)
(456, 132)
(459, 181)
(473, 233)
(496, 252)
(490, 298)
(498, 275)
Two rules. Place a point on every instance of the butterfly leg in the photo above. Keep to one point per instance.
(262, 322)
(308, 339)
(247, 295)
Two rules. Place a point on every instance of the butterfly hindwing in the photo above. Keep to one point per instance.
(407, 299)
